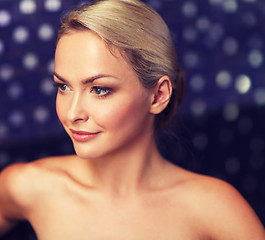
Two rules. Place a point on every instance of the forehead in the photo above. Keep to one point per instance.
(83, 53)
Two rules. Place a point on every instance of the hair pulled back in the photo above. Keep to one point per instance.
(142, 37)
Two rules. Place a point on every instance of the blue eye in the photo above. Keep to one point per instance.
(61, 87)
(100, 91)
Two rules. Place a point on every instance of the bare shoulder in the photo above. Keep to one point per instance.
(14, 190)
(21, 183)
(221, 208)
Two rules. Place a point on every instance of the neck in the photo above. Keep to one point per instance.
(128, 170)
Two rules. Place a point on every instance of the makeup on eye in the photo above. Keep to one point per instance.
(100, 91)
(62, 87)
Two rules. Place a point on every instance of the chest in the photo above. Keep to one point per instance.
(98, 222)
(69, 218)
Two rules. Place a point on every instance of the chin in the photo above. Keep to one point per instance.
(86, 152)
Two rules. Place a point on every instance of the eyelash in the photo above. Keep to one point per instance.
(106, 89)
(59, 86)
(93, 89)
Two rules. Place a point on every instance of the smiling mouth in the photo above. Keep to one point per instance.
(82, 136)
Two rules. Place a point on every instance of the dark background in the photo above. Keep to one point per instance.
(220, 127)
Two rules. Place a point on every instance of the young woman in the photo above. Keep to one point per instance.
(118, 82)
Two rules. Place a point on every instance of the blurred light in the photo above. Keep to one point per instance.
(41, 114)
(223, 79)
(249, 19)
(27, 6)
(198, 107)
(52, 5)
(30, 61)
(3, 130)
(21, 34)
(2, 47)
(200, 141)
(230, 46)
(216, 2)
(259, 96)
(6, 72)
(45, 32)
(203, 24)
(255, 58)
(230, 6)
(197, 83)
(230, 112)
(216, 31)
(191, 59)
(249, 1)
(15, 91)
(232, 166)
(190, 34)
(47, 86)
(50, 66)
(155, 4)
(243, 84)
(189, 9)
(5, 18)
(16, 118)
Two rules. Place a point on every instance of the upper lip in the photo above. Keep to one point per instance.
(83, 132)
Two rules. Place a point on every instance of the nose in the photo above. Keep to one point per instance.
(77, 111)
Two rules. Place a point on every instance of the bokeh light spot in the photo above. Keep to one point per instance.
(27, 6)
(198, 107)
(30, 61)
(223, 79)
(197, 83)
(2, 46)
(16, 118)
(6, 72)
(5, 18)
(189, 9)
(47, 86)
(15, 91)
(255, 58)
(45, 32)
(230, 6)
(52, 5)
(21, 34)
(259, 96)
(230, 112)
(243, 84)
(230, 46)
(41, 114)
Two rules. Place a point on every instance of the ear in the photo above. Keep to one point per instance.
(161, 96)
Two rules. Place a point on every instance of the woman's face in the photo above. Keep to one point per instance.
(100, 102)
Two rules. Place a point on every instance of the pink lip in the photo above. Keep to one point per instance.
(81, 136)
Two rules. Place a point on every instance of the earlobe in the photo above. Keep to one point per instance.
(161, 96)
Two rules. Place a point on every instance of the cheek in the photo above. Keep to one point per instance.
(123, 115)
(60, 109)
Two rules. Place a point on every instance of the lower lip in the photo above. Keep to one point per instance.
(83, 137)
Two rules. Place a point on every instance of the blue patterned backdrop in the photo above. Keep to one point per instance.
(220, 126)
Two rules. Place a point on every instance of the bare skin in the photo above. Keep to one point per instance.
(63, 203)
(117, 186)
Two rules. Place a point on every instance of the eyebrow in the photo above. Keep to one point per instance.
(86, 80)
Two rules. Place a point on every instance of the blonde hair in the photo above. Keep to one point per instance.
(141, 35)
